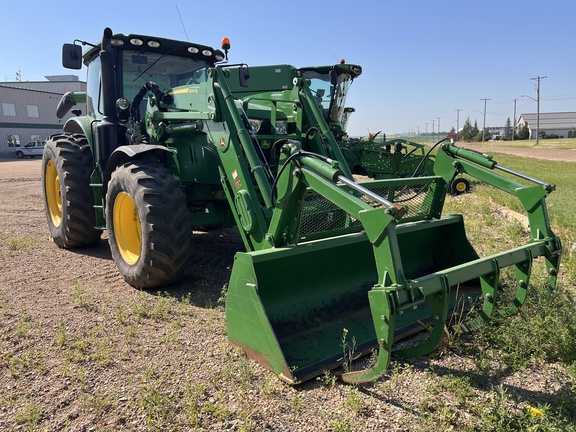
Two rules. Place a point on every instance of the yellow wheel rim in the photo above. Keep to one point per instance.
(53, 194)
(127, 228)
(461, 186)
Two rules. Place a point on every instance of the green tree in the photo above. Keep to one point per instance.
(508, 130)
(466, 132)
(475, 131)
(524, 133)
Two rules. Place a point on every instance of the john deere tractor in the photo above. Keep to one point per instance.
(176, 139)
(374, 156)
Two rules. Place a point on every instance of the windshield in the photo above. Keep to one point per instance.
(166, 70)
(330, 98)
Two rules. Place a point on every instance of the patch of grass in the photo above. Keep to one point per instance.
(23, 325)
(498, 414)
(328, 379)
(543, 330)
(4, 305)
(20, 363)
(458, 386)
(30, 415)
(193, 395)
(17, 243)
(216, 407)
(99, 403)
(355, 402)
(80, 298)
(338, 422)
(162, 309)
(102, 350)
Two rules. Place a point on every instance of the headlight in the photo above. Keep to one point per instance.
(255, 125)
(281, 127)
(122, 104)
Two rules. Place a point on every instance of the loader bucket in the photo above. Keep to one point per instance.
(288, 308)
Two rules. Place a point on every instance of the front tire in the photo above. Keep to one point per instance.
(147, 224)
(68, 199)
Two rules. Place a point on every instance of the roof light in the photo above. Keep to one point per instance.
(153, 44)
(136, 41)
(225, 44)
(219, 57)
(193, 50)
(342, 61)
(207, 52)
(117, 42)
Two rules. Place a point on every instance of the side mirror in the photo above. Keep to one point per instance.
(243, 75)
(72, 56)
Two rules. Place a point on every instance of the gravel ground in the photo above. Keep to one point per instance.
(80, 350)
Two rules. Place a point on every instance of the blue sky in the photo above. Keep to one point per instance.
(421, 59)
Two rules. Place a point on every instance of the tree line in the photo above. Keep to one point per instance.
(471, 133)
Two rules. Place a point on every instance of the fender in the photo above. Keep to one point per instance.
(79, 125)
(127, 153)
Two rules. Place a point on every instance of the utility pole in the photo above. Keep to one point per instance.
(538, 79)
(514, 124)
(458, 125)
(484, 126)
(433, 130)
(439, 124)
(426, 131)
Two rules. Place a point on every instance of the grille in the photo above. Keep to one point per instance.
(320, 215)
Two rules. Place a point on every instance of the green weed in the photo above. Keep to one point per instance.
(30, 414)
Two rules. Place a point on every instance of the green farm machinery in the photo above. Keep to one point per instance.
(374, 156)
(175, 139)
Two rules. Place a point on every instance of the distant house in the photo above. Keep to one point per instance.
(28, 110)
(562, 124)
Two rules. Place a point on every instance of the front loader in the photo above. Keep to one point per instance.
(170, 144)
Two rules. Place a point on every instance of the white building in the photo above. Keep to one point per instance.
(28, 110)
(562, 124)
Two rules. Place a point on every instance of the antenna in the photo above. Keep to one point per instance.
(19, 75)
(184, 27)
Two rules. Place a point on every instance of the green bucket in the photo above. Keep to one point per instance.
(288, 308)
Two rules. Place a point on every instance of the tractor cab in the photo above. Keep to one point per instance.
(330, 85)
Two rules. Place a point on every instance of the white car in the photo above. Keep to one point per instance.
(32, 149)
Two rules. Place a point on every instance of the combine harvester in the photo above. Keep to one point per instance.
(174, 140)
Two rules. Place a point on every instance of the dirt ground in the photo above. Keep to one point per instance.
(80, 350)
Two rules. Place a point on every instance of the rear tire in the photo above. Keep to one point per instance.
(147, 223)
(68, 199)
(19, 155)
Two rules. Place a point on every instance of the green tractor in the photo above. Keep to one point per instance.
(373, 157)
(175, 139)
